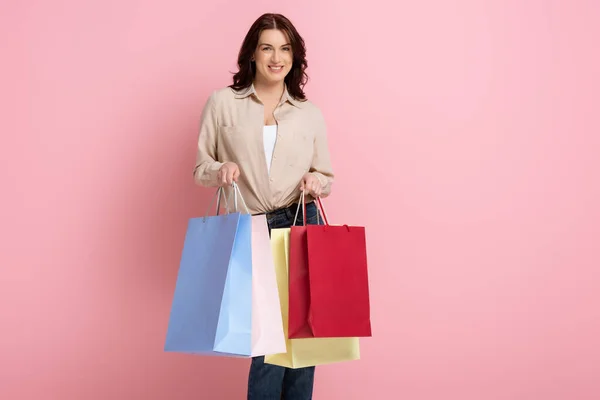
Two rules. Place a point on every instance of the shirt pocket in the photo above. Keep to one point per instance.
(231, 130)
(236, 140)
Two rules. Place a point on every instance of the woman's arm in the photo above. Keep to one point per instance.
(321, 164)
(207, 167)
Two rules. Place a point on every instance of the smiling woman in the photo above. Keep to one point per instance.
(273, 56)
(263, 133)
(272, 35)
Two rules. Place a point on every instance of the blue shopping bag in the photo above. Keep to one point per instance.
(211, 313)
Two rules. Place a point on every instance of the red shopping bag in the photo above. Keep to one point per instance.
(299, 286)
(329, 285)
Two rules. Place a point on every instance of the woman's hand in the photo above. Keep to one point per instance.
(228, 173)
(311, 184)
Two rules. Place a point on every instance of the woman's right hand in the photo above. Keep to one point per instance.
(228, 173)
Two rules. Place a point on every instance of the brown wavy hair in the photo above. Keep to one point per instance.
(296, 78)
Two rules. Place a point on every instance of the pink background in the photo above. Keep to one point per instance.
(465, 136)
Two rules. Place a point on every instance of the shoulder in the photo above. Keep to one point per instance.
(311, 110)
(308, 107)
(222, 95)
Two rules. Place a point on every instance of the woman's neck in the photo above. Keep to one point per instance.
(269, 91)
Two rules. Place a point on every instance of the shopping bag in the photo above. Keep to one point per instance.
(299, 283)
(303, 352)
(212, 304)
(329, 285)
(267, 323)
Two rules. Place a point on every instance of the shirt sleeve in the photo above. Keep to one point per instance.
(321, 164)
(207, 164)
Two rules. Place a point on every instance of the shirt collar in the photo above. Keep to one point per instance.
(243, 93)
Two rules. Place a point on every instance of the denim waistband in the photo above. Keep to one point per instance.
(285, 210)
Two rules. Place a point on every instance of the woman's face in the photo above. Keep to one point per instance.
(273, 56)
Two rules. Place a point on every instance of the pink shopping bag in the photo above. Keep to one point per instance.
(267, 322)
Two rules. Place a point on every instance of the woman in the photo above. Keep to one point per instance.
(263, 134)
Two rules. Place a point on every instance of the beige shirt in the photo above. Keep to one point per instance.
(231, 129)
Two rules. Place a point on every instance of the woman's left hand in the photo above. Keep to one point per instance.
(310, 184)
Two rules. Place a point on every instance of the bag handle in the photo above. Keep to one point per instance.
(322, 210)
(236, 191)
(302, 203)
(220, 192)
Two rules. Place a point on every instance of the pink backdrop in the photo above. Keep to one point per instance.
(465, 136)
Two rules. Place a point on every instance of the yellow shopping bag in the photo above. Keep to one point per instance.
(303, 352)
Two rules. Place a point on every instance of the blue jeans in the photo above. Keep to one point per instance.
(272, 382)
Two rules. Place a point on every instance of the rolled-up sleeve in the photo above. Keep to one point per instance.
(321, 163)
(207, 165)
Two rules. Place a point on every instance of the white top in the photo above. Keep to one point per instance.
(269, 139)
